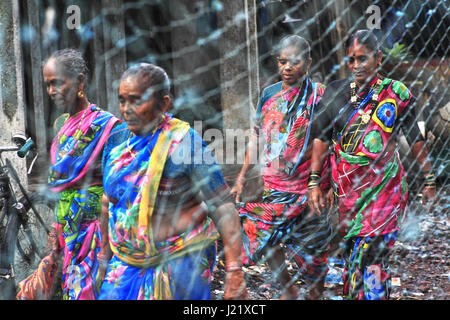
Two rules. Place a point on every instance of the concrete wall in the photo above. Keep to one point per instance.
(11, 81)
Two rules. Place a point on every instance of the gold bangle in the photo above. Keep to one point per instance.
(313, 185)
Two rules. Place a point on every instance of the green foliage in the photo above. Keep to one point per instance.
(397, 54)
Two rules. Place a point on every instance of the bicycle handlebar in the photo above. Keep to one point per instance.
(21, 152)
(8, 149)
(26, 147)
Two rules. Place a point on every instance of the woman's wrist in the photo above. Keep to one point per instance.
(104, 256)
(241, 178)
(429, 180)
(233, 266)
(314, 179)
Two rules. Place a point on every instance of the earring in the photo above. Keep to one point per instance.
(80, 94)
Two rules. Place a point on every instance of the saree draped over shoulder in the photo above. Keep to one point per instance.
(135, 180)
(369, 178)
(283, 117)
(75, 157)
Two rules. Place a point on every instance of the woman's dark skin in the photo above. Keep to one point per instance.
(292, 68)
(141, 117)
(68, 94)
(63, 89)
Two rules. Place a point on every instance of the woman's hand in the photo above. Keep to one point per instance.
(316, 201)
(428, 195)
(103, 258)
(53, 243)
(105, 253)
(228, 224)
(235, 287)
(329, 199)
(238, 188)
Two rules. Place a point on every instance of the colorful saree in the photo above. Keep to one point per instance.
(177, 268)
(282, 216)
(371, 187)
(369, 179)
(77, 146)
(75, 151)
(366, 272)
(77, 213)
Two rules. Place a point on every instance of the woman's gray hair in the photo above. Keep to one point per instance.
(297, 42)
(150, 77)
(364, 37)
(71, 61)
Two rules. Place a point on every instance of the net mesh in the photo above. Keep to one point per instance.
(220, 55)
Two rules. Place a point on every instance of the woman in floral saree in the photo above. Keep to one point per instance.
(283, 120)
(362, 117)
(161, 241)
(75, 175)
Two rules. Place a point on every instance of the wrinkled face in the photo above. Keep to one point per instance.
(61, 88)
(291, 65)
(362, 62)
(140, 110)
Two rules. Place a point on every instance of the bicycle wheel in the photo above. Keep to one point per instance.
(26, 237)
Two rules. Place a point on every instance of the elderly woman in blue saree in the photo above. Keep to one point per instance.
(75, 176)
(161, 241)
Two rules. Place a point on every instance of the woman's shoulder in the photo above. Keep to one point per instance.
(339, 84)
(105, 113)
(399, 88)
(337, 88)
(120, 127)
(318, 87)
(59, 122)
(272, 89)
(119, 133)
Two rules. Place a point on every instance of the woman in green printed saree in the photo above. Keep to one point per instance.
(161, 240)
(75, 175)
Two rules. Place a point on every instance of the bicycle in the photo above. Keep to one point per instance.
(24, 221)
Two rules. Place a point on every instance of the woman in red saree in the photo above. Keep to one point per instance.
(283, 120)
(362, 116)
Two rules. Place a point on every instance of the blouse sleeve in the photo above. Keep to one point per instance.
(257, 117)
(118, 134)
(408, 123)
(321, 126)
(195, 159)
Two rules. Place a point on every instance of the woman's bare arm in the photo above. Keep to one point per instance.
(226, 220)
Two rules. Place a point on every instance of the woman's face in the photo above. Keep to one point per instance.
(141, 113)
(61, 88)
(362, 62)
(291, 65)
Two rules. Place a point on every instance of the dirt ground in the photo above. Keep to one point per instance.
(420, 268)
